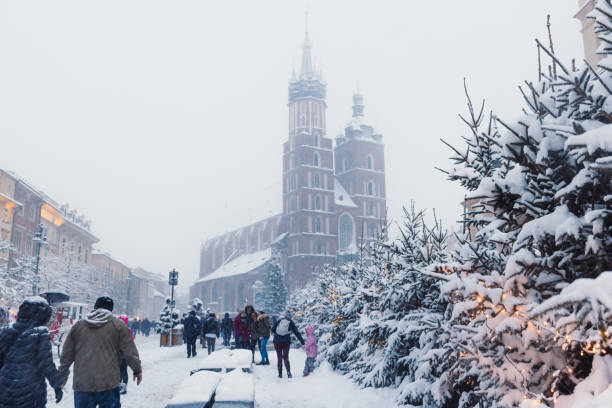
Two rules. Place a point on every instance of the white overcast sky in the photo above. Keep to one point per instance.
(163, 121)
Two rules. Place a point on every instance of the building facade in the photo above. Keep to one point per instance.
(8, 207)
(333, 200)
(589, 38)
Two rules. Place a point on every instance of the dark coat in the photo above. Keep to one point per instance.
(227, 326)
(262, 325)
(210, 325)
(287, 338)
(242, 329)
(26, 349)
(192, 328)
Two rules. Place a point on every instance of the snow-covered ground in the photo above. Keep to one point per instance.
(164, 368)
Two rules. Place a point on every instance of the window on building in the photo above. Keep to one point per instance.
(86, 255)
(215, 293)
(370, 188)
(315, 159)
(31, 213)
(317, 202)
(303, 114)
(319, 247)
(316, 116)
(345, 165)
(372, 230)
(241, 296)
(370, 162)
(17, 240)
(371, 209)
(316, 140)
(317, 225)
(316, 181)
(28, 247)
(227, 296)
(345, 232)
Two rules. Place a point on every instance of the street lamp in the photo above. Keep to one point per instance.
(39, 239)
(172, 281)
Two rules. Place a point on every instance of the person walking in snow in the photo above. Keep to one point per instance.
(282, 330)
(253, 334)
(26, 358)
(227, 326)
(262, 326)
(242, 330)
(191, 331)
(123, 371)
(210, 331)
(95, 345)
(311, 350)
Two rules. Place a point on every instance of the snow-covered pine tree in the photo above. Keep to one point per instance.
(550, 216)
(275, 291)
(165, 318)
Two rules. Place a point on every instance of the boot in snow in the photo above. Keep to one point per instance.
(289, 374)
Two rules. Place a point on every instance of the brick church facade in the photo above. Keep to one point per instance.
(334, 199)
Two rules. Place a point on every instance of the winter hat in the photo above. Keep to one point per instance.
(35, 310)
(211, 314)
(288, 315)
(226, 314)
(192, 313)
(104, 302)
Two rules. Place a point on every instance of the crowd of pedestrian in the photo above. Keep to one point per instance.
(252, 330)
(101, 347)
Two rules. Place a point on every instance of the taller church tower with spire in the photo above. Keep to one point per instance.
(308, 175)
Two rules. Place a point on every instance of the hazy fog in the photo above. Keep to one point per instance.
(163, 121)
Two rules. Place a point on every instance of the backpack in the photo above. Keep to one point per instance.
(283, 327)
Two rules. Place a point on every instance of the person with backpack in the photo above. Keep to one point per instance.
(26, 358)
(191, 331)
(282, 341)
(227, 326)
(210, 331)
(263, 327)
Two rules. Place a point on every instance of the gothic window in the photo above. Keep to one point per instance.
(319, 247)
(303, 114)
(316, 116)
(317, 225)
(370, 189)
(371, 209)
(370, 162)
(316, 140)
(345, 232)
(316, 182)
(315, 160)
(372, 231)
(317, 203)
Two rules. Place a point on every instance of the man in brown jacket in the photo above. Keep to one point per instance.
(95, 345)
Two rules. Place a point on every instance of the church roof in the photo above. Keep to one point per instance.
(342, 197)
(241, 265)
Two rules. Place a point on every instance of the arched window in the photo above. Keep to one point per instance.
(371, 209)
(316, 115)
(319, 247)
(316, 182)
(315, 160)
(370, 162)
(345, 232)
(372, 231)
(317, 225)
(370, 189)
(303, 114)
(316, 137)
(317, 203)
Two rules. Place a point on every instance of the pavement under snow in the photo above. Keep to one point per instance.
(165, 368)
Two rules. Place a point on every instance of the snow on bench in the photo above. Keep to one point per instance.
(227, 360)
(236, 390)
(195, 391)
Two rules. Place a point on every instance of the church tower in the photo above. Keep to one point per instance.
(308, 176)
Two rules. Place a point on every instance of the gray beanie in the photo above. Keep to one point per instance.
(287, 315)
